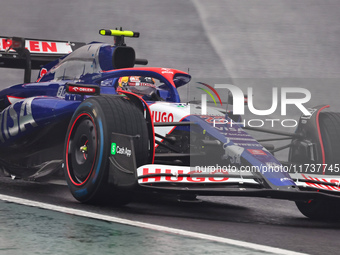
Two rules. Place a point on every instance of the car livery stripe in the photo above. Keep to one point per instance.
(13, 99)
(148, 174)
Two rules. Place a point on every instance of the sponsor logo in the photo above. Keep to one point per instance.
(81, 89)
(178, 175)
(181, 105)
(257, 152)
(113, 148)
(134, 78)
(166, 70)
(216, 120)
(162, 116)
(36, 46)
(42, 72)
(14, 119)
(232, 152)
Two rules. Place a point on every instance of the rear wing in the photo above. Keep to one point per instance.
(28, 54)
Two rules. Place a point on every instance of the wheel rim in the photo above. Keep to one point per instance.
(81, 149)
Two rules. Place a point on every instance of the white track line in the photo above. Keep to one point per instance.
(97, 216)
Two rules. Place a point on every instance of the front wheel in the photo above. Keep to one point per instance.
(87, 146)
(330, 133)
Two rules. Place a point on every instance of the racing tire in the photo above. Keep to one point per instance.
(87, 147)
(330, 133)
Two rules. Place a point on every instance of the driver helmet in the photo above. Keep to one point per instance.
(139, 85)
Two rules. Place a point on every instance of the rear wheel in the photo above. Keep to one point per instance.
(330, 133)
(87, 147)
(319, 210)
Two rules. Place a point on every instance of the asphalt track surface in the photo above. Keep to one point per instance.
(242, 40)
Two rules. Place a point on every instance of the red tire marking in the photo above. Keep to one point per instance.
(67, 149)
(320, 139)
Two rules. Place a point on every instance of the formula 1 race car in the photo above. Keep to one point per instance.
(116, 129)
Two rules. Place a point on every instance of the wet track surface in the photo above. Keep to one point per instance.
(215, 39)
(269, 222)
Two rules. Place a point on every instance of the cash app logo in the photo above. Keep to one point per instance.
(113, 148)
